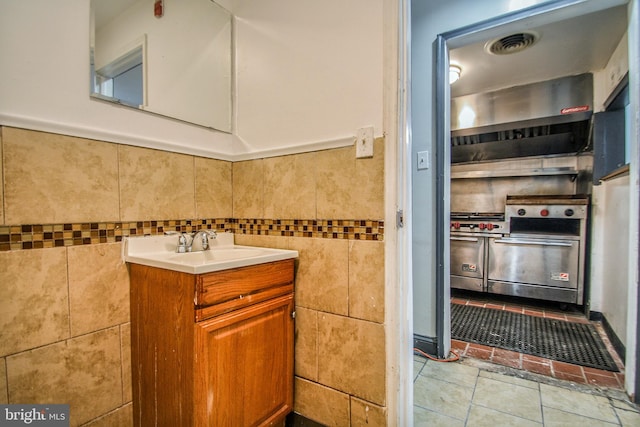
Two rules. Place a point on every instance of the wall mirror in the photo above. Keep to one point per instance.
(168, 57)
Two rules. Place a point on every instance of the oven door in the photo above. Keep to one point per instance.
(535, 261)
(467, 262)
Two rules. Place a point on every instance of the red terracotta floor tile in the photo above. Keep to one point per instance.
(579, 379)
(533, 312)
(601, 372)
(507, 361)
(578, 319)
(479, 351)
(602, 380)
(506, 354)
(567, 368)
(535, 359)
(495, 306)
(459, 346)
(557, 316)
(476, 303)
(543, 368)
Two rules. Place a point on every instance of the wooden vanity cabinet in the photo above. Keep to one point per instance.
(214, 349)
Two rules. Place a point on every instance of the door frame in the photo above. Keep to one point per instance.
(442, 163)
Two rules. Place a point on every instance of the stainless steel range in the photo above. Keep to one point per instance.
(469, 235)
(543, 254)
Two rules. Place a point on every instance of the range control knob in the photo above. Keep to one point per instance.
(569, 212)
(455, 225)
(544, 212)
(522, 212)
(482, 226)
(490, 226)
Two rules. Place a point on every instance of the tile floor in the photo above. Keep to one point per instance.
(494, 387)
(476, 393)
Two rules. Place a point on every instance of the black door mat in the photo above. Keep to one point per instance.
(576, 343)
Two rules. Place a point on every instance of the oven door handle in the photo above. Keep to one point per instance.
(532, 242)
(465, 239)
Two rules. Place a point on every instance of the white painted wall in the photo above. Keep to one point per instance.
(611, 255)
(308, 72)
(606, 80)
(609, 275)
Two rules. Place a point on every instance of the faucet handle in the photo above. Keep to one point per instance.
(183, 245)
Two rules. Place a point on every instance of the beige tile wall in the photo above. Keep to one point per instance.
(329, 184)
(340, 338)
(64, 316)
(64, 324)
(52, 178)
(155, 184)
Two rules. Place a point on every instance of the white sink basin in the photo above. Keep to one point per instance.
(160, 251)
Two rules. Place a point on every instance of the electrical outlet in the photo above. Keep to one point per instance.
(364, 142)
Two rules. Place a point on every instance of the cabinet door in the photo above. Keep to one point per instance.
(244, 365)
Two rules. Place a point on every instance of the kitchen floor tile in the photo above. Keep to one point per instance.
(628, 418)
(556, 417)
(479, 351)
(583, 404)
(542, 368)
(417, 367)
(579, 379)
(426, 418)
(485, 417)
(567, 368)
(458, 346)
(455, 373)
(522, 402)
(442, 397)
(471, 393)
(602, 380)
(521, 382)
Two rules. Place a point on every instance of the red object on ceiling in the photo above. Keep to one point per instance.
(158, 8)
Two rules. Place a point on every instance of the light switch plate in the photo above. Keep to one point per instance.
(364, 142)
(423, 160)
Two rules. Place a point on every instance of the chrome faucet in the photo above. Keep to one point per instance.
(200, 240)
(194, 242)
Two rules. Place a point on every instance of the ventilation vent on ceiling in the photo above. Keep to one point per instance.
(512, 43)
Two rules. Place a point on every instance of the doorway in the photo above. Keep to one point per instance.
(441, 172)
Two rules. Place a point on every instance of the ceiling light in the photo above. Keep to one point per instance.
(454, 73)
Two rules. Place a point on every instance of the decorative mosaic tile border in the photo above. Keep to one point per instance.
(325, 228)
(18, 237)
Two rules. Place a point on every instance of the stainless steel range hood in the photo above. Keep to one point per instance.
(545, 118)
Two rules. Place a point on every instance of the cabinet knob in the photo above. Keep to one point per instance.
(293, 314)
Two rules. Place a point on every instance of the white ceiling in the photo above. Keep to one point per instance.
(573, 46)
